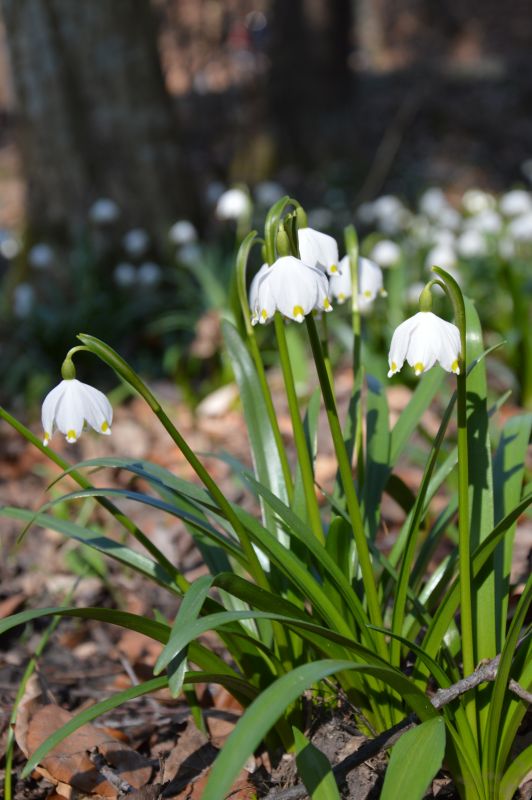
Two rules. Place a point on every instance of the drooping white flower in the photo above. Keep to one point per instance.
(291, 287)
(370, 282)
(450, 218)
(476, 200)
(9, 245)
(70, 406)
(487, 221)
(443, 237)
(182, 232)
(124, 274)
(390, 214)
(422, 340)
(386, 253)
(520, 228)
(23, 300)
(233, 204)
(41, 256)
(442, 255)
(472, 244)
(136, 242)
(149, 273)
(515, 202)
(318, 250)
(104, 211)
(432, 201)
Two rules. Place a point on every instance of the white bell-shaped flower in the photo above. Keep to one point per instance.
(515, 202)
(182, 232)
(472, 244)
(234, 204)
(386, 253)
(291, 287)
(71, 405)
(369, 282)
(318, 250)
(422, 340)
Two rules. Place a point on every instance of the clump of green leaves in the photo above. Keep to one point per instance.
(305, 593)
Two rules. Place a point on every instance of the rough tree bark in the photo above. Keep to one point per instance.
(94, 116)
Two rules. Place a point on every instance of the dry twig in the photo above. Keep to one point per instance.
(486, 671)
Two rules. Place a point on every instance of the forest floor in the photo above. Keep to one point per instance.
(84, 662)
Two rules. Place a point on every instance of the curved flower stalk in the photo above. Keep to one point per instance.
(318, 250)
(72, 405)
(370, 282)
(423, 340)
(291, 287)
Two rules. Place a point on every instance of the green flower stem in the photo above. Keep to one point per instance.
(181, 582)
(324, 341)
(352, 249)
(303, 454)
(272, 415)
(353, 506)
(454, 293)
(124, 371)
(241, 266)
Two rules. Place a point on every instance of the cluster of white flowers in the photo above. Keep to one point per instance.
(148, 274)
(443, 234)
(298, 286)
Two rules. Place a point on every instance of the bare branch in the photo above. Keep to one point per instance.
(486, 671)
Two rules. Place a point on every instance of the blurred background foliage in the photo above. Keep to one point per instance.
(118, 120)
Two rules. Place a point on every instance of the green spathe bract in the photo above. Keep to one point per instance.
(303, 590)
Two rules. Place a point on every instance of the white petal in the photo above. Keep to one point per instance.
(254, 293)
(69, 414)
(369, 279)
(318, 250)
(97, 409)
(340, 284)
(399, 344)
(449, 347)
(49, 407)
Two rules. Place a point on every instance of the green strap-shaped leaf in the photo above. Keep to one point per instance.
(444, 615)
(271, 703)
(314, 769)
(119, 699)
(480, 490)
(190, 609)
(377, 468)
(415, 760)
(266, 461)
(119, 552)
(508, 471)
(500, 686)
(412, 413)
(516, 772)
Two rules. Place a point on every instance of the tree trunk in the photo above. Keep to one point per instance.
(94, 116)
(309, 78)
